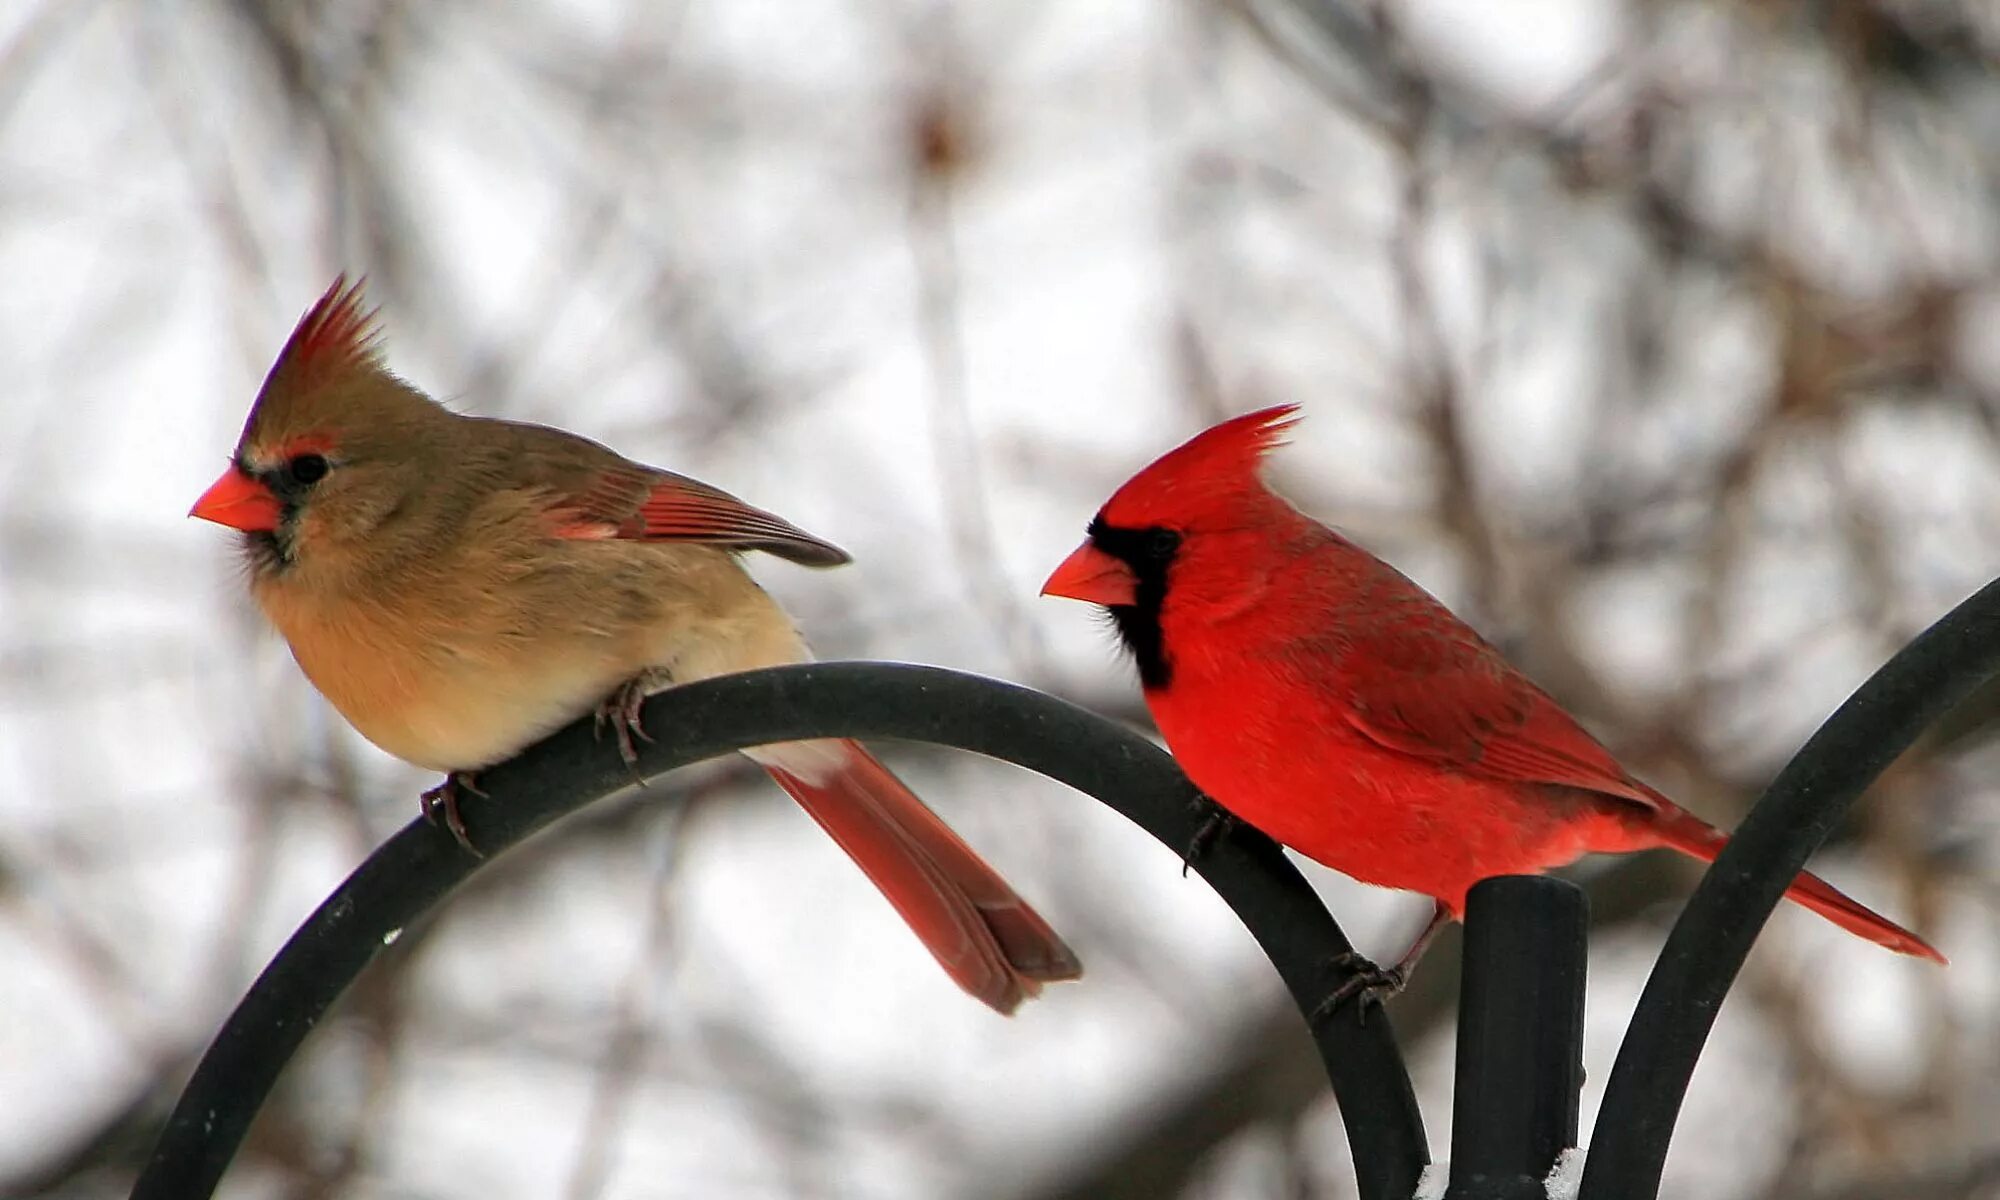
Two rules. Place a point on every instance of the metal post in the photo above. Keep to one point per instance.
(1520, 1037)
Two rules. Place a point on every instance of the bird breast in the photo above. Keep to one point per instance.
(457, 670)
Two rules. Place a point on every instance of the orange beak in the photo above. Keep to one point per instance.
(240, 502)
(1091, 575)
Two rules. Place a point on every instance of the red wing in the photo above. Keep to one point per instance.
(1454, 700)
(644, 504)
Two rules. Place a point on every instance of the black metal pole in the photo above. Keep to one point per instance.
(1649, 1080)
(1520, 1036)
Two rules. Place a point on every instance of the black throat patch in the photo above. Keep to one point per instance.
(1149, 553)
(270, 550)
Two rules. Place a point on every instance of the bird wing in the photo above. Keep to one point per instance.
(1444, 695)
(650, 505)
(596, 493)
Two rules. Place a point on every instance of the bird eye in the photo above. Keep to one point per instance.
(307, 468)
(1161, 543)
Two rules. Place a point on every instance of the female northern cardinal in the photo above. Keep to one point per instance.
(458, 587)
(1312, 690)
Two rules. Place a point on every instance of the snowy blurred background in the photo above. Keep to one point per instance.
(1660, 337)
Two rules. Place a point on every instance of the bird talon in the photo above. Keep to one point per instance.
(1214, 826)
(442, 801)
(1366, 984)
(635, 700)
(620, 710)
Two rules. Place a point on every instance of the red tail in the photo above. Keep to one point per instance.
(1689, 834)
(982, 932)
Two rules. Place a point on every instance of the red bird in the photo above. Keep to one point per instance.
(1315, 692)
(459, 587)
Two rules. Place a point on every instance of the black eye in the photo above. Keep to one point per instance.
(1161, 543)
(307, 469)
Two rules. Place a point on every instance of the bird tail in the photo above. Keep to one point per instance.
(1681, 830)
(981, 931)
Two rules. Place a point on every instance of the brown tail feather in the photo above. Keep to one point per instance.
(1683, 831)
(981, 931)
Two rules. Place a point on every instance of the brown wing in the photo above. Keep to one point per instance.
(598, 493)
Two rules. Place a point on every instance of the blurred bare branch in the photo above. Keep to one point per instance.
(1653, 337)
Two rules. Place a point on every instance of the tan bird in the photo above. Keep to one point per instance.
(458, 587)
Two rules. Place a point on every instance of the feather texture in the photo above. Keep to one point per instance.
(458, 587)
(337, 335)
(1326, 699)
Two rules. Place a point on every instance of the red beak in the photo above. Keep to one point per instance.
(1091, 575)
(240, 502)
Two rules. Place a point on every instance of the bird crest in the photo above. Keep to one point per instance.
(337, 340)
(1213, 467)
(337, 335)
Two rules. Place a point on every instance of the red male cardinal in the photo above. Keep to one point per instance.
(1312, 690)
(459, 587)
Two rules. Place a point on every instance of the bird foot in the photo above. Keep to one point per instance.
(620, 711)
(1366, 984)
(1215, 825)
(442, 801)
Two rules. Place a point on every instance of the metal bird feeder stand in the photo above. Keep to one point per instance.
(1520, 1037)
(1519, 1046)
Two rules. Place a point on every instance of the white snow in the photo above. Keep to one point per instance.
(1561, 1184)
(1565, 1175)
(1430, 1185)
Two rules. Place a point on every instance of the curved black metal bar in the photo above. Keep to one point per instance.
(1642, 1099)
(420, 864)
